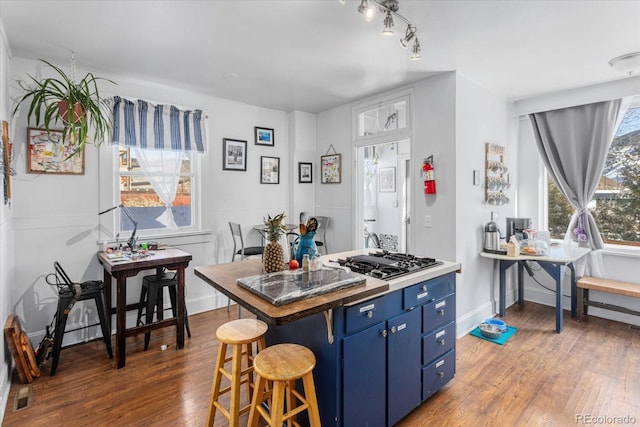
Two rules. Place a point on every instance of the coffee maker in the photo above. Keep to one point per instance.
(516, 227)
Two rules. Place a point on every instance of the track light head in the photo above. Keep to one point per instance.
(416, 51)
(408, 36)
(388, 24)
(368, 9)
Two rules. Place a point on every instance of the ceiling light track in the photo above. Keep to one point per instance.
(369, 9)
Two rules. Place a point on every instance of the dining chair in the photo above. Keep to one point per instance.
(321, 233)
(240, 249)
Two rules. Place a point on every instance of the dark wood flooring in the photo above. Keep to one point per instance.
(538, 378)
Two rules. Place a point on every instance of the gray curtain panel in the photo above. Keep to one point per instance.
(574, 143)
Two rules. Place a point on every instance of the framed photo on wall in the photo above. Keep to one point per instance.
(331, 169)
(387, 180)
(265, 136)
(305, 172)
(234, 154)
(269, 170)
(48, 153)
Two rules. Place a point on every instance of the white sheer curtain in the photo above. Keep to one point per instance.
(163, 170)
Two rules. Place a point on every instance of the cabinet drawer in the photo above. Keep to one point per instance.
(436, 374)
(438, 342)
(428, 291)
(438, 313)
(365, 314)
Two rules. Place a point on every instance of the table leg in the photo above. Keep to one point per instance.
(107, 297)
(520, 284)
(121, 312)
(503, 292)
(574, 291)
(180, 309)
(556, 271)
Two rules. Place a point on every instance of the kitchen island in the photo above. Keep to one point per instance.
(381, 348)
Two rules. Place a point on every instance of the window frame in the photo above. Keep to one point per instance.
(615, 245)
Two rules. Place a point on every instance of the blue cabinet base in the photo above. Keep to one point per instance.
(389, 353)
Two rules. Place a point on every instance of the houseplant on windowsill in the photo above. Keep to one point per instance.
(55, 99)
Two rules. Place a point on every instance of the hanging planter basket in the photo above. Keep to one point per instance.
(77, 110)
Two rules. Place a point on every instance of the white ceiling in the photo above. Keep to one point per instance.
(311, 55)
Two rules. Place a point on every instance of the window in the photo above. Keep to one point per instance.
(138, 195)
(616, 204)
(386, 118)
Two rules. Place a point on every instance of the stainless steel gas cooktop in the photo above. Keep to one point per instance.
(387, 265)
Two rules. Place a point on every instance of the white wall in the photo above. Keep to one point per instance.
(6, 234)
(481, 117)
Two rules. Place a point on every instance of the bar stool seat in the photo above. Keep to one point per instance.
(277, 368)
(240, 335)
(151, 299)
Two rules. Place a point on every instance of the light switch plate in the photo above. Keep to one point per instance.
(427, 221)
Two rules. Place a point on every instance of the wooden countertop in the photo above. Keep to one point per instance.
(223, 277)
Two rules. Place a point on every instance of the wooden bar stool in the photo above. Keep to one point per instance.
(240, 334)
(278, 367)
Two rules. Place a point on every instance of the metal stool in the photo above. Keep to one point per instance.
(68, 294)
(240, 334)
(278, 367)
(151, 298)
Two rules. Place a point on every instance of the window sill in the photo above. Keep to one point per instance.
(161, 237)
(622, 250)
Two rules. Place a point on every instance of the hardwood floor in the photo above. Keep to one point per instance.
(537, 378)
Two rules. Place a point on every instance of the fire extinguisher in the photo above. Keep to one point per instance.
(428, 176)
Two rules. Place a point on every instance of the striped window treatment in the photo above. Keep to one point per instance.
(149, 126)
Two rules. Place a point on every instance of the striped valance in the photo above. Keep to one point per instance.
(156, 127)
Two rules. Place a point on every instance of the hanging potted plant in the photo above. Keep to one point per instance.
(75, 104)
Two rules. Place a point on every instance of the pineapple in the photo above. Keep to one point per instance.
(273, 256)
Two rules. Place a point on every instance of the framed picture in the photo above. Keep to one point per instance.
(305, 172)
(387, 180)
(264, 136)
(269, 170)
(234, 154)
(48, 153)
(331, 169)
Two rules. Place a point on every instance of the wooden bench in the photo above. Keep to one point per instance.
(587, 283)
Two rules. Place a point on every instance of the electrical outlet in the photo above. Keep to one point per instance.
(427, 221)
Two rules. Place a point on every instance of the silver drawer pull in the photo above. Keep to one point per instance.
(441, 311)
(383, 333)
(441, 342)
(424, 288)
(369, 314)
(393, 329)
(441, 374)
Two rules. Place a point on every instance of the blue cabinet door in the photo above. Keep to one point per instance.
(364, 381)
(404, 362)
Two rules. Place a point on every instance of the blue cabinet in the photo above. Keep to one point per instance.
(389, 353)
(364, 377)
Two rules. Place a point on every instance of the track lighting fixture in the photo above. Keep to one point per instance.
(369, 8)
